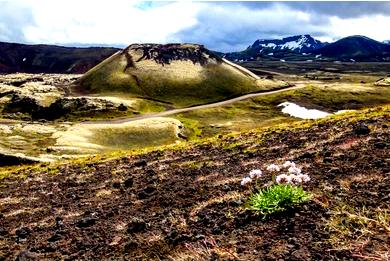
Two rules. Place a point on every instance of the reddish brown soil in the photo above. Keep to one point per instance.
(174, 205)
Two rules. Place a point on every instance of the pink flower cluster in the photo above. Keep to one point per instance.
(253, 174)
(293, 176)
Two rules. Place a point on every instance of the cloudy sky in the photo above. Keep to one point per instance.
(223, 26)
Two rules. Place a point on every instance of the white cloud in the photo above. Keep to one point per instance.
(106, 22)
(224, 26)
(374, 26)
(235, 26)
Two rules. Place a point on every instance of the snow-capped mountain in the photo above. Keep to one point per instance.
(298, 43)
(386, 42)
(293, 47)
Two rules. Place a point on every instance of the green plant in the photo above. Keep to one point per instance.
(277, 198)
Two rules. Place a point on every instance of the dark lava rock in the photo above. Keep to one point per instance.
(26, 256)
(380, 145)
(54, 238)
(150, 172)
(19, 83)
(147, 192)
(131, 246)
(361, 129)
(216, 230)
(236, 203)
(86, 222)
(379, 163)
(23, 104)
(143, 195)
(59, 221)
(307, 155)
(174, 237)
(3, 232)
(136, 225)
(141, 163)
(23, 233)
(116, 185)
(128, 182)
(122, 107)
(328, 160)
(66, 105)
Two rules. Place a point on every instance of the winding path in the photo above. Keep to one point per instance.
(198, 107)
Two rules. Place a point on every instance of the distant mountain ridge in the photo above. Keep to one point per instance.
(292, 47)
(356, 48)
(16, 57)
(307, 48)
(297, 43)
(50, 58)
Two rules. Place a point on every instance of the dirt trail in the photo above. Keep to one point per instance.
(242, 69)
(199, 107)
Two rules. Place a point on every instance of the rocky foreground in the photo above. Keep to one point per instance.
(186, 203)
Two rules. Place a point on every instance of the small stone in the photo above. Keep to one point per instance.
(199, 237)
(26, 256)
(86, 222)
(361, 129)
(116, 185)
(3, 232)
(128, 182)
(216, 230)
(23, 233)
(150, 172)
(149, 189)
(236, 203)
(122, 107)
(54, 238)
(59, 221)
(136, 225)
(131, 246)
(328, 160)
(307, 155)
(380, 145)
(145, 193)
(141, 163)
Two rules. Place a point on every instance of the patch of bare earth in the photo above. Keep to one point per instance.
(188, 204)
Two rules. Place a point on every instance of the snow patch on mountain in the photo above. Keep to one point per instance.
(301, 112)
(298, 43)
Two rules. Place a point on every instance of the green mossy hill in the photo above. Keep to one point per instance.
(181, 74)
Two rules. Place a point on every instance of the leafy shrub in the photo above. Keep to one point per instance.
(277, 198)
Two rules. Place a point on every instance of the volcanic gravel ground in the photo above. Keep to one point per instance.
(188, 204)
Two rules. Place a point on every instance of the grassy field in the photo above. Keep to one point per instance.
(327, 87)
(263, 111)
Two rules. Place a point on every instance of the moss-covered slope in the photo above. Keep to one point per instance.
(182, 74)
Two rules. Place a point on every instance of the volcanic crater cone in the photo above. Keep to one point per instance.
(182, 74)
